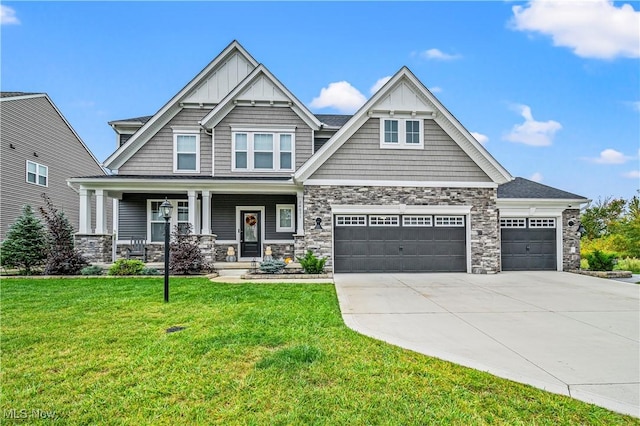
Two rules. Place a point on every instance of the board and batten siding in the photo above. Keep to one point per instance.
(362, 158)
(156, 156)
(33, 125)
(260, 116)
(223, 214)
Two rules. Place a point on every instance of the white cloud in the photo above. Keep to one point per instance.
(610, 156)
(635, 105)
(378, 84)
(536, 177)
(483, 139)
(592, 29)
(532, 132)
(339, 95)
(438, 55)
(8, 16)
(435, 89)
(633, 174)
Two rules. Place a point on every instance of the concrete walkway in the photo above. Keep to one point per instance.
(566, 333)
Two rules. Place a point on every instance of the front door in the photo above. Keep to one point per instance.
(250, 242)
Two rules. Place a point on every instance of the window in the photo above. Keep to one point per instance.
(186, 157)
(449, 220)
(401, 133)
(179, 218)
(37, 174)
(263, 151)
(384, 220)
(416, 221)
(542, 223)
(351, 220)
(513, 223)
(285, 218)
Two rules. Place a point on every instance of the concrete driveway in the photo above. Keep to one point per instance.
(566, 333)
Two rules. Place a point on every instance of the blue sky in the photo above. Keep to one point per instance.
(551, 89)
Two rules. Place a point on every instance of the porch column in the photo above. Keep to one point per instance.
(101, 217)
(192, 210)
(116, 212)
(85, 211)
(206, 213)
(300, 212)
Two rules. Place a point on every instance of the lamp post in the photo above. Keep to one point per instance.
(165, 210)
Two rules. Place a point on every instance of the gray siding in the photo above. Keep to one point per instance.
(34, 126)
(362, 158)
(223, 213)
(132, 214)
(156, 156)
(257, 116)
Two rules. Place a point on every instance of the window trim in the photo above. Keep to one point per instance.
(417, 221)
(453, 221)
(542, 223)
(173, 222)
(402, 133)
(185, 132)
(351, 220)
(279, 208)
(37, 174)
(384, 220)
(275, 133)
(513, 222)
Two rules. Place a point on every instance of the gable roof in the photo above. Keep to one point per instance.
(333, 120)
(19, 94)
(259, 86)
(397, 91)
(521, 188)
(171, 108)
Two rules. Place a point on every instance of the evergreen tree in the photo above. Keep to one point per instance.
(62, 257)
(25, 245)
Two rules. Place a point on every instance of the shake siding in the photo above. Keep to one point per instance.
(272, 116)
(362, 158)
(156, 156)
(223, 212)
(33, 125)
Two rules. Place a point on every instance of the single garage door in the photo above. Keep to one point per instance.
(399, 243)
(528, 244)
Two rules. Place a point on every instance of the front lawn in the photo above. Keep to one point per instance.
(96, 351)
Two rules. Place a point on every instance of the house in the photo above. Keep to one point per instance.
(400, 185)
(40, 150)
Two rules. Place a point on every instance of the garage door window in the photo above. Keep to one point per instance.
(384, 221)
(417, 221)
(542, 223)
(449, 220)
(351, 220)
(518, 222)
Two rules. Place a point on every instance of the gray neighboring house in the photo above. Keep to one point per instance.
(400, 186)
(40, 151)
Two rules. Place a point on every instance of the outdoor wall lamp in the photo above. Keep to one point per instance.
(318, 222)
(165, 210)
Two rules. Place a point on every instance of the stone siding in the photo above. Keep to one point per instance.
(570, 240)
(485, 236)
(95, 248)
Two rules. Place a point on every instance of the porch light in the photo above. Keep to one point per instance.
(318, 222)
(581, 230)
(165, 210)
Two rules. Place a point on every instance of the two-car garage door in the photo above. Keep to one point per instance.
(400, 243)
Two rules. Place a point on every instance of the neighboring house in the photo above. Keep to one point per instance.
(40, 151)
(399, 186)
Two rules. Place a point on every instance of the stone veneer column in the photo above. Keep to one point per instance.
(95, 248)
(485, 236)
(570, 240)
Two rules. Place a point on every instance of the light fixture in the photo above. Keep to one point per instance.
(165, 210)
(318, 223)
(581, 230)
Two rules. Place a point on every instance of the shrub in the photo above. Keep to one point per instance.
(126, 267)
(584, 264)
(91, 270)
(312, 264)
(272, 266)
(601, 261)
(628, 264)
(185, 256)
(25, 244)
(62, 256)
(149, 271)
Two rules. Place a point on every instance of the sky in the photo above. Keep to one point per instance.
(551, 89)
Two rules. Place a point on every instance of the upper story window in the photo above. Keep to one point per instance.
(263, 150)
(401, 133)
(37, 174)
(186, 151)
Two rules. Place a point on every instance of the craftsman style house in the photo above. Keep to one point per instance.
(39, 152)
(399, 186)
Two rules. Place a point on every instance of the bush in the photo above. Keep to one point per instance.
(185, 256)
(272, 266)
(25, 244)
(126, 267)
(312, 264)
(92, 270)
(601, 261)
(149, 271)
(628, 264)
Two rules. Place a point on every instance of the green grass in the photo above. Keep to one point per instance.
(96, 351)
